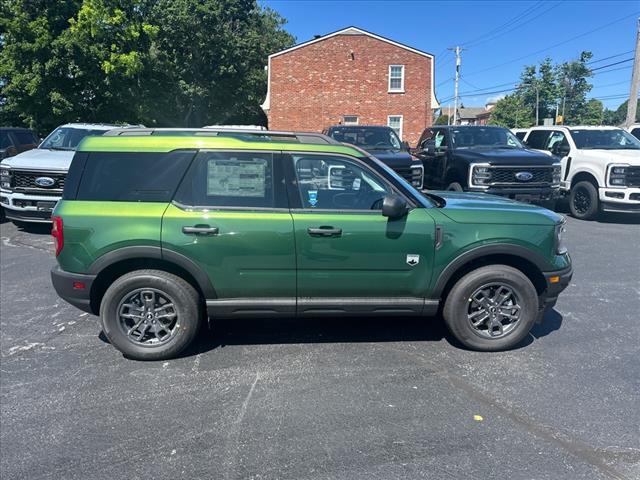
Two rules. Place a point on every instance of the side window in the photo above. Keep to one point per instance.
(233, 179)
(25, 138)
(132, 176)
(538, 139)
(5, 141)
(426, 139)
(556, 139)
(440, 139)
(336, 183)
(520, 135)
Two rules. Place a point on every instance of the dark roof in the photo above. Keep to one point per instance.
(471, 112)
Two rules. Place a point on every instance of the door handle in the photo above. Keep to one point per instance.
(324, 232)
(200, 230)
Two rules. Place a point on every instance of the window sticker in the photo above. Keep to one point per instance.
(313, 197)
(236, 178)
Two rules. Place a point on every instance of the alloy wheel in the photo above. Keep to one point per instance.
(147, 317)
(581, 201)
(494, 310)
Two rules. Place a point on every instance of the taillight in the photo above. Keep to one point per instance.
(57, 233)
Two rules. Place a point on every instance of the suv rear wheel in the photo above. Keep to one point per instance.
(583, 201)
(150, 314)
(455, 187)
(492, 308)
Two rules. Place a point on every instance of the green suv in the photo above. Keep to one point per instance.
(154, 233)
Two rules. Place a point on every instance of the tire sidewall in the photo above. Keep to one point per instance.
(455, 187)
(185, 304)
(456, 306)
(592, 192)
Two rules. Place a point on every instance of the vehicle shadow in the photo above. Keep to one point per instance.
(620, 218)
(34, 228)
(268, 331)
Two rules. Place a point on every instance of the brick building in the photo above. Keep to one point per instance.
(351, 77)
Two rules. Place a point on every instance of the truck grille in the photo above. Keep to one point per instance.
(413, 174)
(633, 177)
(25, 182)
(507, 176)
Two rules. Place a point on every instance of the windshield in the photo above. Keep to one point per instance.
(367, 138)
(479, 137)
(67, 138)
(604, 140)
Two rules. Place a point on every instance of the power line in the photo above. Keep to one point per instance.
(607, 58)
(613, 70)
(517, 27)
(517, 18)
(555, 45)
(612, 64)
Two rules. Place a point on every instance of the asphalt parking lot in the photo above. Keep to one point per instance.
(321, 399)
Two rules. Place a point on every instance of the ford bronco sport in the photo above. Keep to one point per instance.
(155, 232)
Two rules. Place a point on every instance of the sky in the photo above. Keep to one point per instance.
(499, 37)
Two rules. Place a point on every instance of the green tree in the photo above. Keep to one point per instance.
(573, 87)
(593, 113)
(618, 116)
(443, 119)
(511, 112)
(157, 62)
(539, 84)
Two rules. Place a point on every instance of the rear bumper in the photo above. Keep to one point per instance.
(68, 287)
(557, 282)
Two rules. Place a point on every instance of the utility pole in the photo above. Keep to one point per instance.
(635, 80)
(537, 104)
(455, 87)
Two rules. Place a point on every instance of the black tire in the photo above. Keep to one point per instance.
(455, 187)
(583, 201)
(458, 303)
(182, 295)
(3, 218)
(549, 204)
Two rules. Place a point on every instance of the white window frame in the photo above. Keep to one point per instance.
(396, 90)
(389, 117)
(344, 120)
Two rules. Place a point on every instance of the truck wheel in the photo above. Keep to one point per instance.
(150, 314)
(583, 201)
(492, 308)
(455, 187)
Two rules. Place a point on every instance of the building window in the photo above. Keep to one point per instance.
(350, 120)
(396, 78)
(395, 122)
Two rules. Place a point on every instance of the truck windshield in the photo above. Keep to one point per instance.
(591, 139)
(480, 137)
(67, 138)
(367, 138)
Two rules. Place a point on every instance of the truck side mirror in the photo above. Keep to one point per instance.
(406, 146)
(561, 149)
(394, 206)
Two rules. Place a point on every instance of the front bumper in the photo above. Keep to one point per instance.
(27, 207)
(530, 195)
(624, 200)
(74, 288)
(556, 282)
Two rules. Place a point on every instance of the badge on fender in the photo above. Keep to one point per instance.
(413, 259)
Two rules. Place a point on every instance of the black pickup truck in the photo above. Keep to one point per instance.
(383, 143)
(487, 159)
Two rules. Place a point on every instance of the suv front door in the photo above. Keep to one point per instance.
(230, 217)
(350, 258)
(433, 151)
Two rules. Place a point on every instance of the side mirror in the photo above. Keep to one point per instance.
(561, 150)
(394, 206)
(406, 146)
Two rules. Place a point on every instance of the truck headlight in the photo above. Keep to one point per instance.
(557, 169)
(618, 175)
(5, 177)
(561, 228)
(480, 175)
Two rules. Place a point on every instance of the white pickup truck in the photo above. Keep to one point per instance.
(31, 182)
(600, 167)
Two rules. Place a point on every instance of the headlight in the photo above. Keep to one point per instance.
(5, 177)
(556, 174)
(618, 175)
(561, 247)
(480, 175)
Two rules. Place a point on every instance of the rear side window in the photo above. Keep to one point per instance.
(25, 138)
(233, 179)
(132, 176)
(538, 139)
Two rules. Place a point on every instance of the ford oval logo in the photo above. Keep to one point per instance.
(45, 182)
(524, 176)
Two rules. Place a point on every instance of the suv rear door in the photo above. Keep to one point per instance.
(350, 258)
(230, 216)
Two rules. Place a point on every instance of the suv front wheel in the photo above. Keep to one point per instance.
(583, 201)
(492, 308)
(150, 314)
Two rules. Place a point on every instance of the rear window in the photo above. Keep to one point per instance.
(537, 139)
(25, 138)
(132, 177)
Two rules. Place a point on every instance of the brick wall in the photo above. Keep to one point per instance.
(314, 86)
